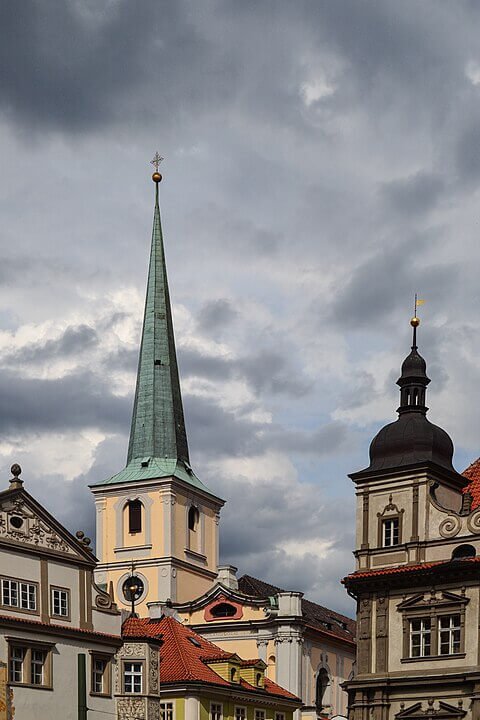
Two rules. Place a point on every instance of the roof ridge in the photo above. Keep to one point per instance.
(178, 645)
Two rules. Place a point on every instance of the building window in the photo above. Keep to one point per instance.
(233, 675)
(60, 602)
(240, 713)
(323, 683)
(30, 665)
(223, 610)
(101, 673)
(258, 679)
(259, 714)
(420, 637)
(193, 518)
(279, 716)
(20, 595)
(449, 634)
(390, 532)
(216, 711)
(133, 677)
(166, 711)
(134, 516)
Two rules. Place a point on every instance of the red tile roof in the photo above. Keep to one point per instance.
(472, 473)
(402, 569)
(53, 628)
(183, 660)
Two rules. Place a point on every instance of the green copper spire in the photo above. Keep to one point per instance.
(158, 441)
(158, 425)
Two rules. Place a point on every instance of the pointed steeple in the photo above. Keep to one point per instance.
(158, 425)
(158, 446)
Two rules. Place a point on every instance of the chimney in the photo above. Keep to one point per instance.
(227, 576)
(290, 604)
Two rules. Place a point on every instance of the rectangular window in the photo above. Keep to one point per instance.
(420, 638)
(166, 711)
(390, 532)
(240, 713)
(133, 677)
(279, 716)
(216, 711)
(60, 605)
(17, 658)
(449, 635)
(100, 685)
(17, 594)
(30, 665)
(259, 714)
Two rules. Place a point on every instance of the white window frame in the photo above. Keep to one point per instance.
(19, 594)
(393, 527)
(279, 716)
(56, 595)
(262, 715)
(243, 716)
(133, 674)
(422, 633)
(218, 713)
(167, 710)
(451, 630)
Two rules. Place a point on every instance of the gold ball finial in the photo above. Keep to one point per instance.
(415, 321)
(156, 177)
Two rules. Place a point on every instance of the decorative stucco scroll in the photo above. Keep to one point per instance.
(450, 527)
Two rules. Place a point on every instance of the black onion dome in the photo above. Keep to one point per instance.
(409, 440)
(412, 438)
(414, 366)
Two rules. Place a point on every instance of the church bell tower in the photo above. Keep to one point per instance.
(156, 514)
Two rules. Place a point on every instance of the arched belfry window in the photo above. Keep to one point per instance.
(323, 682)
(134, 516)
(193, 518)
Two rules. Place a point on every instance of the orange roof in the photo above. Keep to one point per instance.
(185, 655)
(398, 570)
(472, 473)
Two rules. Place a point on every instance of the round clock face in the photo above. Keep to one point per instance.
(133, 588)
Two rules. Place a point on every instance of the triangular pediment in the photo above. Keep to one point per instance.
(24, 523)
(437, 711)
(428, 600)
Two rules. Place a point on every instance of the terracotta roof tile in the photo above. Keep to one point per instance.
(61, 629)
(403, 569)
(183, 660)
(472, 473)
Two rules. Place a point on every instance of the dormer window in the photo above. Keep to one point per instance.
(134, 516)
(233, 675)
(223, 610)
(258, 679)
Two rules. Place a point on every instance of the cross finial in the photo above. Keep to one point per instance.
(157, 159)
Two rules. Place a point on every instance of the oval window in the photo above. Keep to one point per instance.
(223, 610)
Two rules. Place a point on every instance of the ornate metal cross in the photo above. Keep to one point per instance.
(157, 159)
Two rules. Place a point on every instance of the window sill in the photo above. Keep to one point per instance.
(433, 657)
(196, 556)
(100, 695)
(30, 685)
(132, 548)
(64, 618)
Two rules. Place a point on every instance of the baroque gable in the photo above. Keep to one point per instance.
(440, 711)
(422, 601)
(23, 522)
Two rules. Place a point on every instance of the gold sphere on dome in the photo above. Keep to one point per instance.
(156, 177)
(415, 322)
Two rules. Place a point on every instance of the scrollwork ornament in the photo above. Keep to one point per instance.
(131, 709)
(473, 522)
(450, 527)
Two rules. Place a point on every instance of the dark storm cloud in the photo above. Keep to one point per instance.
(392, 275)
(74, 341)
(413, 195)
(267, 371)
(216, 314)
(74, 65)
(78, 400)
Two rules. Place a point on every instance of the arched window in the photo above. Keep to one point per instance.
(223, 610)
(259, 679)
(134, 516)
(193, 518)
(233, 675)
(464, 551)
(323, 682)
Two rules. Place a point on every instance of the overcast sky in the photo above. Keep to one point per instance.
(322, 164)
